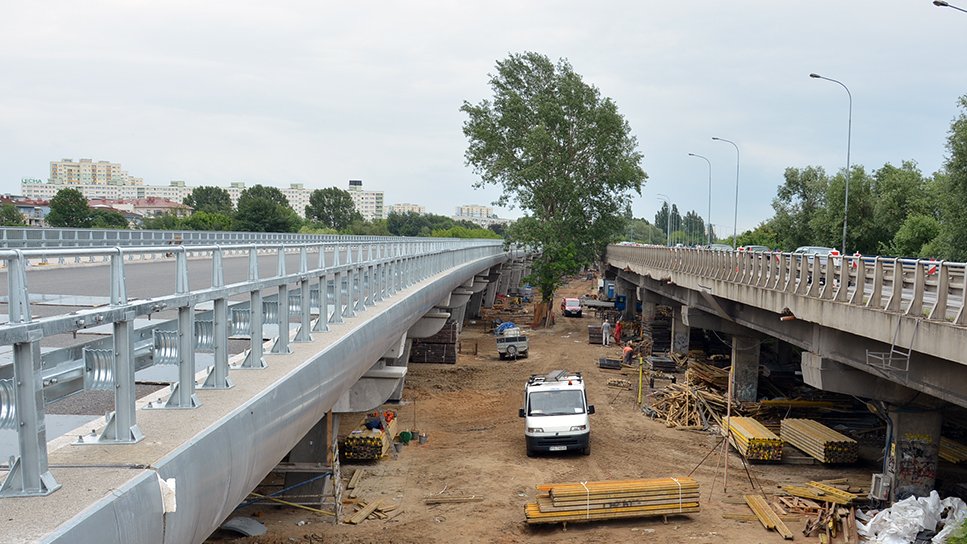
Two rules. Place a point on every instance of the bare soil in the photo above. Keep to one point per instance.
(476, 447)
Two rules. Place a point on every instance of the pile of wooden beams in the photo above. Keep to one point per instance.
(594, 334)
(821, 492)
(753, 440)
(767, 516)
(439, 348)
(593, 501)
(378, 509)
(819, 441)
(368, 444)
(952, 451)
(714, 376)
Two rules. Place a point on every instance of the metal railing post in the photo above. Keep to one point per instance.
(218, 376)
(255, 358)
(322, 324)
(183, 392)
(281, 345)
(306, 300)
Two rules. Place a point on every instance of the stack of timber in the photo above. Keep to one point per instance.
(753, 440)
(821, 492)
(704, 373)
(819, 441)
(593, 501)
(952, 451)
(661, 335)
(594, 334)
(368, 444)
(439, 348)
(767, 516)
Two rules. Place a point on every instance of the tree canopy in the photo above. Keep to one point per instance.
(332, 208)
(10, 216)
(69, 209)
(561, 152)
(265, 209)
(210, 200)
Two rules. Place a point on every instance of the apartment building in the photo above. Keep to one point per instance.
(369, 204)
(88, 172)
(407, 208)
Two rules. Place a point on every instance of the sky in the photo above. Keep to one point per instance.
(323, 92)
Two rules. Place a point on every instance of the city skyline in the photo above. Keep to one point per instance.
(274, 96)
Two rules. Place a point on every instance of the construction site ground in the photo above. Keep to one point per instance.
(475, 447)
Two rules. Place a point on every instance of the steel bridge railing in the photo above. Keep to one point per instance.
(925, 289)
(346, 276)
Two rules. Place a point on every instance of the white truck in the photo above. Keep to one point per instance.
(556, 413)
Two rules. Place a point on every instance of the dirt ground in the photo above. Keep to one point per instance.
(476, 447)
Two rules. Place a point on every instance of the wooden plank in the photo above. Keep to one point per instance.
(361, 515)
(451, 500)
(358, 475)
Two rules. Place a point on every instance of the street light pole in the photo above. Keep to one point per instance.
(735, 219)
(668, 219)
(708, 218)
(849, 137)
(942, 4)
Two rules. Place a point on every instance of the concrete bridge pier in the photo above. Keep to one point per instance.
(479, 288)
(629, 290)
(745, 368)
(912, 457)
(681, 333)
(315, 448)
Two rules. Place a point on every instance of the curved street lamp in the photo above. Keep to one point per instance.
(708, 217)
(849, 136)
(942, 4)
(735, 218)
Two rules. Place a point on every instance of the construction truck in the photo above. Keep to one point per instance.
(511, 342)
(556, 413)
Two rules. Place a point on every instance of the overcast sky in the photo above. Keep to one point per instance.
(323, 92)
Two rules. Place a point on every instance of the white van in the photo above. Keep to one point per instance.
(556, 413)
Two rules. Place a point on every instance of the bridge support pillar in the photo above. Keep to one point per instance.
(473, 307)
(315, 448)
(491, 293)
(912, 456)
(681, 333)
(630, 292)
(745, 368)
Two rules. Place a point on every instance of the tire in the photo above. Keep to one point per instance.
(523, 355)
(530, 452)
(586, 450)
(579, 314)
(500, 356)
(512, 352)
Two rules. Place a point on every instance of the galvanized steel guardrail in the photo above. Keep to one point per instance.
(346, 274)
(926, 289)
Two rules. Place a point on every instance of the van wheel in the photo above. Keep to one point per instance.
(512, 352)
(586, 450)
(530, 452)
(500, 356)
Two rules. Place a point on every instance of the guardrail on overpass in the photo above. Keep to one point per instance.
(347, 276)
(871, 297)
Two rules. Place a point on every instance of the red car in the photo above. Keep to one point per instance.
(571, 306)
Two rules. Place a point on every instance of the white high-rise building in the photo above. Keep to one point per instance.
(473, 211)
(88, 172)
(369, 204)
(406, 208)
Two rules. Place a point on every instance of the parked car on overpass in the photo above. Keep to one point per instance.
(754, 248)
(720, 247)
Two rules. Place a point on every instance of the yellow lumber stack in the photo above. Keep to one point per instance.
(952, 451)
(753, 440)
(593, 501)
(819, 441)
(767, 516)
(368, 444)
(820, 492)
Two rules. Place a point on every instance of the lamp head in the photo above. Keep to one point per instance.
(691, 154)
(815, 76)
(716, 138)
(940, 3)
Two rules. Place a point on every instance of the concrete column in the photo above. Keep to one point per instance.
(473, 307)
(491, 293)
(315, 448)
(503, 284)
(630, 292)
(745, 368)
(681, 333)
(912, 457)
(403, 360)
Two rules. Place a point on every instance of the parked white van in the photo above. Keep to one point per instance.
(556, 413)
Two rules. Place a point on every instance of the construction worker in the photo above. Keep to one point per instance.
(626, 353)
(606, 332)
(617, 332)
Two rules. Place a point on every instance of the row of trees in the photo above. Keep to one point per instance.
(893, 210)
(259, 209)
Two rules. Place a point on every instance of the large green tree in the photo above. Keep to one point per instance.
(69, 209)
(953, 226)
(332, 208)
(210, 199)
(108, 219)
(561, 152)
(265, 209)
(10, 216)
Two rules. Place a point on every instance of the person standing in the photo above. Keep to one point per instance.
(605, 332)
(617, 332)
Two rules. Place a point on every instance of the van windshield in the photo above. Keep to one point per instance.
(556, 403)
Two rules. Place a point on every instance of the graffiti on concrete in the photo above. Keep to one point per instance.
(913, 460)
